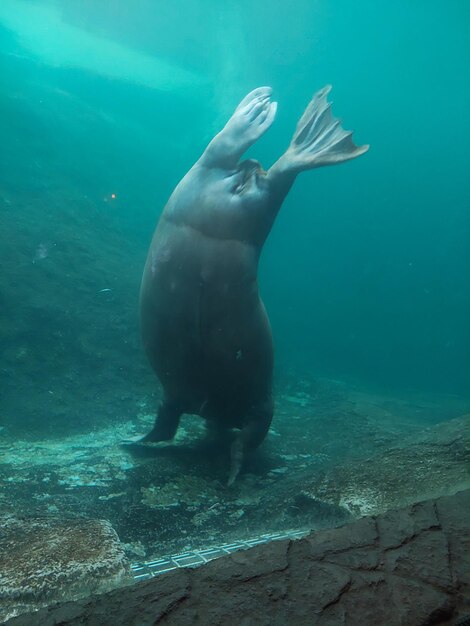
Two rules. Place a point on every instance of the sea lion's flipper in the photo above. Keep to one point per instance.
(250, 436)
(251, 119)
(319, 139)
(166, 424)
(237, 454)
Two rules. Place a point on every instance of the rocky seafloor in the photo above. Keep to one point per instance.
(334, 453)
(406, 567)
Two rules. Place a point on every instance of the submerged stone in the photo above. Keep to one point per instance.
(44, 560)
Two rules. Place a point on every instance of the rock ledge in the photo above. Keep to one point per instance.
(406, 567)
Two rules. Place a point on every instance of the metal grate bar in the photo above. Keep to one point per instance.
(195, 558)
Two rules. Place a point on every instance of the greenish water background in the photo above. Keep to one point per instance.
(366, 274)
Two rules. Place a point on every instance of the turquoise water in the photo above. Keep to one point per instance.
(366, 272)
(104, 106)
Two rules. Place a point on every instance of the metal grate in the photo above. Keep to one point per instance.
(194, 558)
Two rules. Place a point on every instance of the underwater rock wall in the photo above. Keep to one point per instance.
(406, 567)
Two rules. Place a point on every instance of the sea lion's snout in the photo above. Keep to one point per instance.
(247, 176)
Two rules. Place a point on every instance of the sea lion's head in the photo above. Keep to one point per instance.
(248, 180)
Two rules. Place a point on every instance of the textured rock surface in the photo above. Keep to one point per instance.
(334, 453)
(46, 560)
(429, 464)
(406, 567)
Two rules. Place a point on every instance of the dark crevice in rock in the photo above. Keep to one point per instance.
(341, 593)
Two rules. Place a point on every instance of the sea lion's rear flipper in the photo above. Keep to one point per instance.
(319, 139)
(166, 423)
(251, 119)
(250, 436)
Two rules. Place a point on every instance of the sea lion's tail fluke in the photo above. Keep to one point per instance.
(319, 138)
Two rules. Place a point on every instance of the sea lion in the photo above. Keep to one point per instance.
(204, 326)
